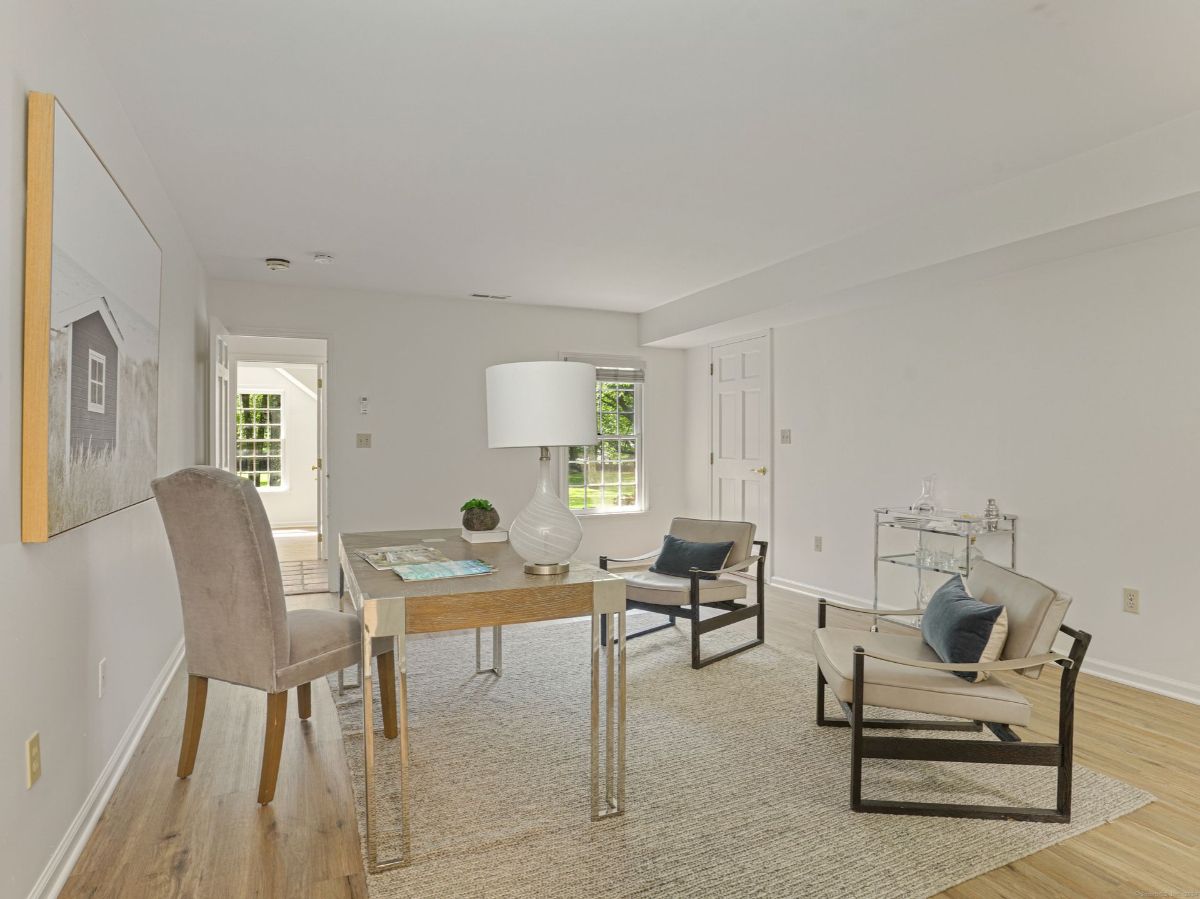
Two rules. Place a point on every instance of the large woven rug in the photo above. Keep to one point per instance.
(732, 789)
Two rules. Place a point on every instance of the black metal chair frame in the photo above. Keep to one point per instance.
(1011, 750)
(733, 611)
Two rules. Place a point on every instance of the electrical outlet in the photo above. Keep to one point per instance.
(785, 435)
(362, 441)
(818, 544)
(100, 679)
(33, 760)
(1131, 601)
(362, 405)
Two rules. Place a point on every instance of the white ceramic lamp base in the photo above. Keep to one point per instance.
(546, 533)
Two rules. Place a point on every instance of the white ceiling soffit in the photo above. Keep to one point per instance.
(1133, 189)
(615, 155)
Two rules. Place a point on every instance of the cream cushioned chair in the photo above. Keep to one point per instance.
(683, 597)
(899, 671)
(236, 626)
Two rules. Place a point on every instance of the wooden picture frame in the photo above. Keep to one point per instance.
(93, 286)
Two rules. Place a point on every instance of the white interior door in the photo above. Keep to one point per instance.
(322, 468)
(741, 432)
(221, 398)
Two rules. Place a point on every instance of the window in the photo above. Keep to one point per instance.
(260, 438)
(609, 477)
(97, 365)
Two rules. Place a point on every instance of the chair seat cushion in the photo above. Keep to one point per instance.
(893, 686)
(665, 590)
(322, 641)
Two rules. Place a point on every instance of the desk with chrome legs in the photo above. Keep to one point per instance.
(389, 607)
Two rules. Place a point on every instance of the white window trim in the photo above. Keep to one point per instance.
(283, 468)
(93, 356)
(639, 409)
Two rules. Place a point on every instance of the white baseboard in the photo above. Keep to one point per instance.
(66, 854)
(1122, 674)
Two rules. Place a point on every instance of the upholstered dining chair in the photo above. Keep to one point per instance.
(899, 671)
(684, 597)
(236, 626)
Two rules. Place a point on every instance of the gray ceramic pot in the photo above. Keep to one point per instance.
(480, 519)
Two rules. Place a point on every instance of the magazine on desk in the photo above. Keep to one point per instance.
(433, 571)
(385, 558)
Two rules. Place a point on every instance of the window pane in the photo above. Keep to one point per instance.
(625, 423)
(625, 401)
(607, 422)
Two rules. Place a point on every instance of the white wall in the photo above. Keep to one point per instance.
(294, 505)
(106, 589)
(421, 363)
(1068, 391)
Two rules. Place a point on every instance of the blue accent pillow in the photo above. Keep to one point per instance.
(958, 627)
(679, 556)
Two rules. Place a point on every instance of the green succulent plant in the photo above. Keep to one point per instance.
(477, 504)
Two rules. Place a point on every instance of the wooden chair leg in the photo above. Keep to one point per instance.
(272, 746)
(304, 700)
(193, 720)
(387, 692)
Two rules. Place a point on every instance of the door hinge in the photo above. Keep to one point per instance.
(320, 538)
(710, 369)
(710, 458)
(320, 383)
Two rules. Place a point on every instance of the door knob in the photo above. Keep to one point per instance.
(762, 470)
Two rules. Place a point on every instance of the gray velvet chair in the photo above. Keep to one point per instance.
(684, 597)
(236, 626)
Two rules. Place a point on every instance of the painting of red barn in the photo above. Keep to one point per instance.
(92, 291)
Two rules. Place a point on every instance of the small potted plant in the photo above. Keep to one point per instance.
(479, 515)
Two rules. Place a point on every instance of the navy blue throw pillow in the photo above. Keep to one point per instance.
(679, 556)
(957, 627)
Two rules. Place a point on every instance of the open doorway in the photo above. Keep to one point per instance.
(271, 422)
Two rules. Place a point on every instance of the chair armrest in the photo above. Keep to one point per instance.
(738, 566)
(641, 558)
(1005, 665)
(877, 612)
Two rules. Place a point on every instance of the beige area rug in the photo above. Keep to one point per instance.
(304, 577)
(732, 788)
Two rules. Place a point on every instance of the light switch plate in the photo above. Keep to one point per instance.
(33, 760)
(362, 441)
(100, 678)
(818, 544)
(785, 435)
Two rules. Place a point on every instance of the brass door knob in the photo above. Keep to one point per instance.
(762, 470)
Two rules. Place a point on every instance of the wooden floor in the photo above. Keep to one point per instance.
(207, 837)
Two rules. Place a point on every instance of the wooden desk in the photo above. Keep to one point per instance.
(390, 607)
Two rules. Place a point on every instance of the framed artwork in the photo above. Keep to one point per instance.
(93, 279)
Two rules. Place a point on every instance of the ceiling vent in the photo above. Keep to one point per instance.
(278, 265)
(492, 296)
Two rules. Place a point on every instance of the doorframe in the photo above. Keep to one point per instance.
(769, 334)
(322, 363)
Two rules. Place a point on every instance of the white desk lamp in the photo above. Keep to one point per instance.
(543, 404)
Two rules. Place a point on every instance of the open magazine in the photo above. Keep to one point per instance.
(385, 558)
(433, 571)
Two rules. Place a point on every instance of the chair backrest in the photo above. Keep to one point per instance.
(705, 530)
(1035, 610)
(234, 616)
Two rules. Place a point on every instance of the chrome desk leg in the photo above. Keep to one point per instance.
(374, 863)
(614, 719)
(497, 652)
(342, 685)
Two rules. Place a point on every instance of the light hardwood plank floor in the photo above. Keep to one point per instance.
(207, 837)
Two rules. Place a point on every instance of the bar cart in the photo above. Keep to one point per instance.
(930, 557)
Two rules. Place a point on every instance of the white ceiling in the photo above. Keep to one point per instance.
(613, 155)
